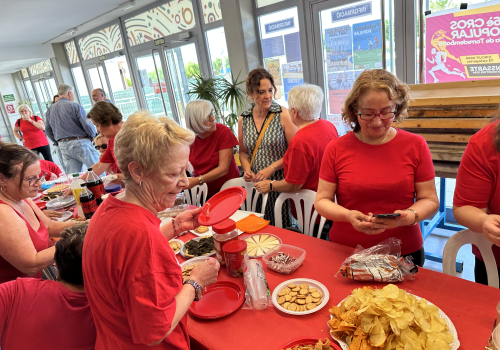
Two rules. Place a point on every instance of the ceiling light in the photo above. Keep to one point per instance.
(126, 5)
(72, 31)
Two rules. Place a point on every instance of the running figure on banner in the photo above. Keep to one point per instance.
(440, 59)
(437, 39)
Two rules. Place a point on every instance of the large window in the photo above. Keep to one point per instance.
(121, 85)
(217, 48)
(32, 97)
(81, 88)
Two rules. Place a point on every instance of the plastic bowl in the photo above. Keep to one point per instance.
(297, 253)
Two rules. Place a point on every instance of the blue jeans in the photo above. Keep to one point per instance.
(75, 153)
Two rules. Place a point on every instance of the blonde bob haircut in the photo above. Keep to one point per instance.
(376, 80)
(146, 139)
(23, 106)
(307, 99)
(198, 112)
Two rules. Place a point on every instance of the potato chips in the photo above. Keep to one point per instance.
(320, 345)
(388, 318)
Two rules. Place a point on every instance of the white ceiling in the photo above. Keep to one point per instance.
(26, 24)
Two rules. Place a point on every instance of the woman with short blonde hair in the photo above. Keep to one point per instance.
(211, 153)
(377, 169)
(132, 279)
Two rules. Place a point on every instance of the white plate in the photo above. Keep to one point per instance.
(66, 215)
(178, 240)
(455, 344)
(183, 248)
(312, 284)
(193, 261)
(210, 232)
(260, 234)
(38, 195)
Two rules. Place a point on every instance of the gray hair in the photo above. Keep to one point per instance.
(307, 99)
(23, 106)
(64, 89)
(101, 91)
(198, 112)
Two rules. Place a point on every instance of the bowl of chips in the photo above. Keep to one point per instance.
(300, 296)
(390, 318)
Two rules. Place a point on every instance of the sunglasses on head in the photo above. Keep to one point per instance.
(103, 146)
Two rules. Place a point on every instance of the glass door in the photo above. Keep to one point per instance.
(117, 72)
(32, 98)
(43, 95)
(81, 88)
(153, 84)
(97, 78)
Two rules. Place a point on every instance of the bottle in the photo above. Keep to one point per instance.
(95, 184)
(76, 189)
(224, 232)
(87, 199)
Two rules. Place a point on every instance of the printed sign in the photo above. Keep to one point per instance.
(292, 47)
(280, 25)
(292, 76)
(338, 42)
(156, 87)
(463, 45)
(273, 66)
(339, 85)
(8, 98)
(10, 108)
(367, 44)
(341, 127)
(273, 47)
(363, 9)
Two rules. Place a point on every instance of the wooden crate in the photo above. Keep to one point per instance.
(447, 115)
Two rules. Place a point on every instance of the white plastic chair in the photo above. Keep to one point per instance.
(197, 195)
(303, 199)
(479, 240)
(250, 203)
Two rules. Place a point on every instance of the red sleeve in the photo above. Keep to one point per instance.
(226, 139)
(327, 171)
(475, 182)
(8, 290)
(107, 157)
(300, 161)
(18, 123)
(425, 168)
(36, 118)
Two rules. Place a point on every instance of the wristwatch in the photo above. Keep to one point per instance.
(271, 185)
(198, 290)
(200, 180)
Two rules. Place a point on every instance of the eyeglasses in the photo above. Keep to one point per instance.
(383, 115)
(103, 146)
(32, 181)
(212, 112)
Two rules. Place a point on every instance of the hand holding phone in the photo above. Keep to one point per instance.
(387, 216)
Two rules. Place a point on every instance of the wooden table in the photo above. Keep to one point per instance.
(470, 306)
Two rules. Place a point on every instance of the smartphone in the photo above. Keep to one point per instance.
(387, 216)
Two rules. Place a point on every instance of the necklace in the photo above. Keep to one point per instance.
(360, 139)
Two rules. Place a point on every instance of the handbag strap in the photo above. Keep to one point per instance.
(261, 135)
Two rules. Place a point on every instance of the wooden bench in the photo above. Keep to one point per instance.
(447, 115)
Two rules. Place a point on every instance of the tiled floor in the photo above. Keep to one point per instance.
(435, 244)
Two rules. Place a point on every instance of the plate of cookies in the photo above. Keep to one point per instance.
(188, 266)
(300, 296)
(176, 245)
(202, 231)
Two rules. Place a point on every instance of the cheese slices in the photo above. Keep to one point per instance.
(258, 245)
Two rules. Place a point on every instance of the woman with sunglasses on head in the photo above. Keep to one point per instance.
(25, 249)
(211, 153)
(377, 169)
(101, 144)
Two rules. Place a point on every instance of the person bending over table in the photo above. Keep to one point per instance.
(132, 278)
(476, 204)
(52, 172)
(52, 305)
(211, 153)
(24, 230)
(266, 121)
(377, 169)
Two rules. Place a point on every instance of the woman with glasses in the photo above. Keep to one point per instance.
(211, 153)
(377, 169)
(25, 249)
(101, 144)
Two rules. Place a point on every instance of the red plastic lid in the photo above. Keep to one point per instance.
(235, 246)
(219, 300)
(221, 206)
(225, 226)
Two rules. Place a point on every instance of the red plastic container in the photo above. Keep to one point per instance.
(224, 232)
(235, 253)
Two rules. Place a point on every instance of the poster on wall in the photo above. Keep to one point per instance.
(367, 44)
(339, 85)
(292, 47)
(292, 76)
(10, 108)
(336, 119)
(338, 45)
(463, 45)
(273, 47)
(273, 66)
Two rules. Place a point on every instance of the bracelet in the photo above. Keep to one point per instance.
(272, 167)
(200, 180)
(416, 215)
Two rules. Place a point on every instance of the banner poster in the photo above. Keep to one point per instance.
(338, 44)
(339, 85)
(336, 119)
(273, 47)
(292, 47)
(273, 66)
(463, 45)
(292, 76)
(367, 44)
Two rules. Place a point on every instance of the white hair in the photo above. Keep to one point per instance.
(307, 99)
(198, 112)
(64, 89)
(23, 106)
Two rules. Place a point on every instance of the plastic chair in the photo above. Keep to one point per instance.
(304, 201)
(197, 195)
(250, 203)
(479, 240)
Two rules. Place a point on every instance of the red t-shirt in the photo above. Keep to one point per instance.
(44, 315)
(33, 137)
(131, 278)
(378, 179)
(109, 156)
(204, 156)
(49, 167)
(478, 177)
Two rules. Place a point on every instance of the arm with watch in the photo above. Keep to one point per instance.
(225, 156)
(266, 186)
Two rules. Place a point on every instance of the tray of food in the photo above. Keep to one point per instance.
(188, 266)
(176, 245)
(61, 203)
(50, 196)
(419, 323)
(300, 296)
(284, 258)
(201, 246)
(202, 231)
(56, 188)
(259, 244)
